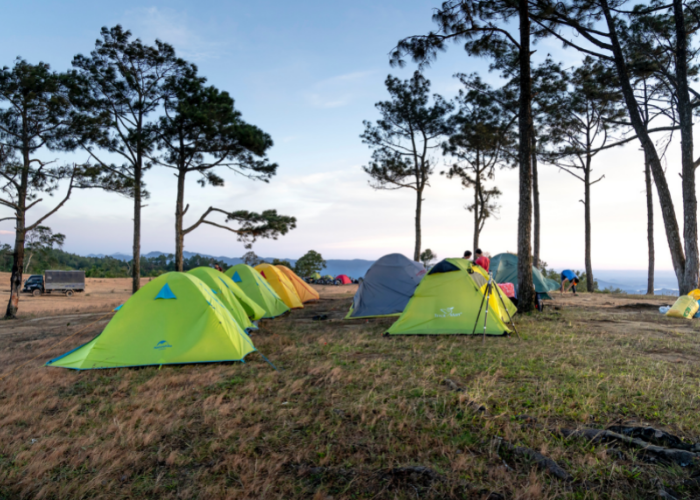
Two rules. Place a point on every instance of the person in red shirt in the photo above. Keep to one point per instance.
(482, 260)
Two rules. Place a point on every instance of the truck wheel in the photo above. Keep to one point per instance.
(69, 293)
(36, 292)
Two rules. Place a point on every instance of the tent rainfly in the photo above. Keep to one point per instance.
(220, 284)
(448, 301)
(304, 291)
(387, 287)
(280, 284)
(174, 319)
(504, 267)
(343, 278)
(257, 288)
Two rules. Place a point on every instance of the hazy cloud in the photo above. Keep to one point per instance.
(337, 91)
(175, 28)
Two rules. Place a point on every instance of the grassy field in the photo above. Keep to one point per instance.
(353, 414)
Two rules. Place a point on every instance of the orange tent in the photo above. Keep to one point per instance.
(304, 290)
(280, 284)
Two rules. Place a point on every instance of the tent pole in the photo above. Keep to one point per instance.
(510, 318)
(483, 297)
(486, 315)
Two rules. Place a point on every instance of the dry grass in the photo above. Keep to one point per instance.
(349, 406)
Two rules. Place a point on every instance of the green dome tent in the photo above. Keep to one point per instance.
(222, 285)
(504, 267)
(447, 301)
(316, 276)
(174, 319)
(257, 288)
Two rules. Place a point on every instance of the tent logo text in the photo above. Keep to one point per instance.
(162, 345)
(447, 313)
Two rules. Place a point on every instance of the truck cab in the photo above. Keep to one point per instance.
(34, 282)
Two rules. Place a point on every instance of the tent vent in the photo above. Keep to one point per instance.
(236, 278)
(478, 279)
(165, 293)
(443, 267)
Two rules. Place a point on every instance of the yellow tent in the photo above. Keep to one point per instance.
(280, 284)
(303, 289)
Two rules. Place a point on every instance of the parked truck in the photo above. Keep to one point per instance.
(65, 282)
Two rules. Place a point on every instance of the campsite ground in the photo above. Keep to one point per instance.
(353, 414)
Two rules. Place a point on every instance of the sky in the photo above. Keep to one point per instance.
(309, 73)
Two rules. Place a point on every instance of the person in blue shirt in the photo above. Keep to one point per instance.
(569, 277)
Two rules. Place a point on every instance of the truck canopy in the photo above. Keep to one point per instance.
(63, 280)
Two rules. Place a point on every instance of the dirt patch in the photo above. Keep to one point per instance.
(674, 357)
(608, 301)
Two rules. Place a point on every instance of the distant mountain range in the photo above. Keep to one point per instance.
(629, 281)
(355, 268)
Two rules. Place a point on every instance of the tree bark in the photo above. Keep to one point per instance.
(665, 201)
(419, 206)
(685, 114)
(587, 218)
(536, 205)
(179, 214)
(477, 188)
(526, 290)
(650, 225)
(136, 268)
(20, 234)
(17, 263)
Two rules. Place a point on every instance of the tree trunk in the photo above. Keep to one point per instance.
(419, 203)
(179, 214)
(685, 115)
(20, 234)
(650, 226)
(17, 263)
(477, 187)
(587, 217)
(535, 205)
(136, 268)
(526, 290)
(665, 201)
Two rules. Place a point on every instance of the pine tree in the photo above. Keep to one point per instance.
(35, 116)
(402, 140)
(484, 29)
(120, 89)
(200, 132)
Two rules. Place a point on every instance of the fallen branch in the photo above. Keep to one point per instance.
(655, 436)
(683, 458)
(544, 463)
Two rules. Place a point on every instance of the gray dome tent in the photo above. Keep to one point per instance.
(387, 287)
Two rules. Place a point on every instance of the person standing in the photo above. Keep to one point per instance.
(482, 260)
(569, 279)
